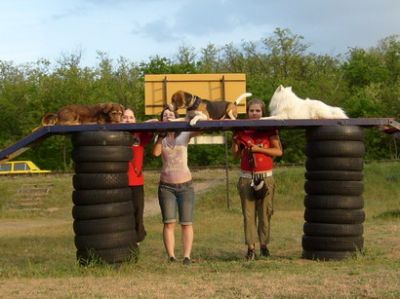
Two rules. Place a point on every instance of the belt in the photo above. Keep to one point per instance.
(177, 185)
(249, 174)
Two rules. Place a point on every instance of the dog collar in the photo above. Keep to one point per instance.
(196, 103)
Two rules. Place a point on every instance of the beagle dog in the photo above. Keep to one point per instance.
(202, 109)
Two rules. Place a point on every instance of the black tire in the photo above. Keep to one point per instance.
(353, 188)
(84, 181)
(335, 148)
(332, 230)
(335, 133)
(105, 167)
(104, 225)
(332, 175)
(335, 163)
(328, 255)
(102, 211)
(335, 216)
(102, 154)
(332, 243)
(106, 241)
(333, 202)
(102, 138)
(99, 196)
(110, 256)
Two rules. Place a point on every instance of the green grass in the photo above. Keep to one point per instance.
(38, 260)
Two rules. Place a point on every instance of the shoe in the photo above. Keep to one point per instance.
(172, 259)
(251, 255)
(264, 251)
(186, 261)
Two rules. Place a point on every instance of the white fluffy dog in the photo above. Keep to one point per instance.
(285, 104)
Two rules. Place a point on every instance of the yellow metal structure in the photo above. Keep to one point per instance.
(20, 167)
(214, 87)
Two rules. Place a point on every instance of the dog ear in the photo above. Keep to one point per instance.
(280, 87)
(107, 107)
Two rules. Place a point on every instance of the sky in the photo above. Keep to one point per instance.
(138, 30)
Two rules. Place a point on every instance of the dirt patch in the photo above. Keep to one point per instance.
(9, 226)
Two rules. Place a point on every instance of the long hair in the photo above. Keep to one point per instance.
(176, 116)
(167, 108)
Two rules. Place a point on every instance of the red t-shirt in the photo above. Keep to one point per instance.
(262, 161)
(135, 171)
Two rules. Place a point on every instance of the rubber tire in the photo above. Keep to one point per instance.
(335, 216)
(335, 163)
(102, 154)
(335, 148)
(99, 196)
(105, 167)
(332, 243)
(110, 256)
(333, 230)
(333, 202)
(335, 133)
(103, 138)
(328, 255)
(102, 211)
(332, 175)
(104, 225)
(354, 188)
(106, 241)
(84, 181)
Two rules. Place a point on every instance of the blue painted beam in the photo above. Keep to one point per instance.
(210, 125)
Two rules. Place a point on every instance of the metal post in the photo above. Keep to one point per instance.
(228, 201)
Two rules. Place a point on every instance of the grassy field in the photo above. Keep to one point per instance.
(37, 253)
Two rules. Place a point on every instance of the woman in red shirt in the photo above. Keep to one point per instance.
(135, 173)
(256, 150)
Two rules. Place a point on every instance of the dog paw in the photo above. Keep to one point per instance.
(193, 122)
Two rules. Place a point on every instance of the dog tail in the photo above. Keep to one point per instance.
(241, 97)
(49, 119)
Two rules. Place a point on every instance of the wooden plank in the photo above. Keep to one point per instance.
(160, 88)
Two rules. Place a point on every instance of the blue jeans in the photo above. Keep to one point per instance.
(175, 198)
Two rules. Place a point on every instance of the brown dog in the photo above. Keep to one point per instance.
(202, 109)
(77, 114)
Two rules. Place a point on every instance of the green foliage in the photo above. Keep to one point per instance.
(365, 82)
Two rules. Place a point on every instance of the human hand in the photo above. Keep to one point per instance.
(151, 120)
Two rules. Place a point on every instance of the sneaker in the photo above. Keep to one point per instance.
(172, 259)
(264, 251)
(251, 255)
(186, 261)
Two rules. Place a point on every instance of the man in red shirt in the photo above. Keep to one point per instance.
(135, 173)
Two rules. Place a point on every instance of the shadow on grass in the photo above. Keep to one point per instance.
(393, 214)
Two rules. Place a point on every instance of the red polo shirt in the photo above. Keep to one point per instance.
(262, 161)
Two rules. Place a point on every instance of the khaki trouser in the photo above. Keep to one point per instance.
(256, 213)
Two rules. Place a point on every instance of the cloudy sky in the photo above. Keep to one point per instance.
(140, 29)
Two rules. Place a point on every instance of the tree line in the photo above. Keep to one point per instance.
(364, 82)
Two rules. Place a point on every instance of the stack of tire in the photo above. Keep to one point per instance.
(333, 203)
(103, 210)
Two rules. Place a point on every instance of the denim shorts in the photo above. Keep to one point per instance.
(175, 198)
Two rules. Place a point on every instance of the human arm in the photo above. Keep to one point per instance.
(237, 146)
(157, 147)
(275, 149)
